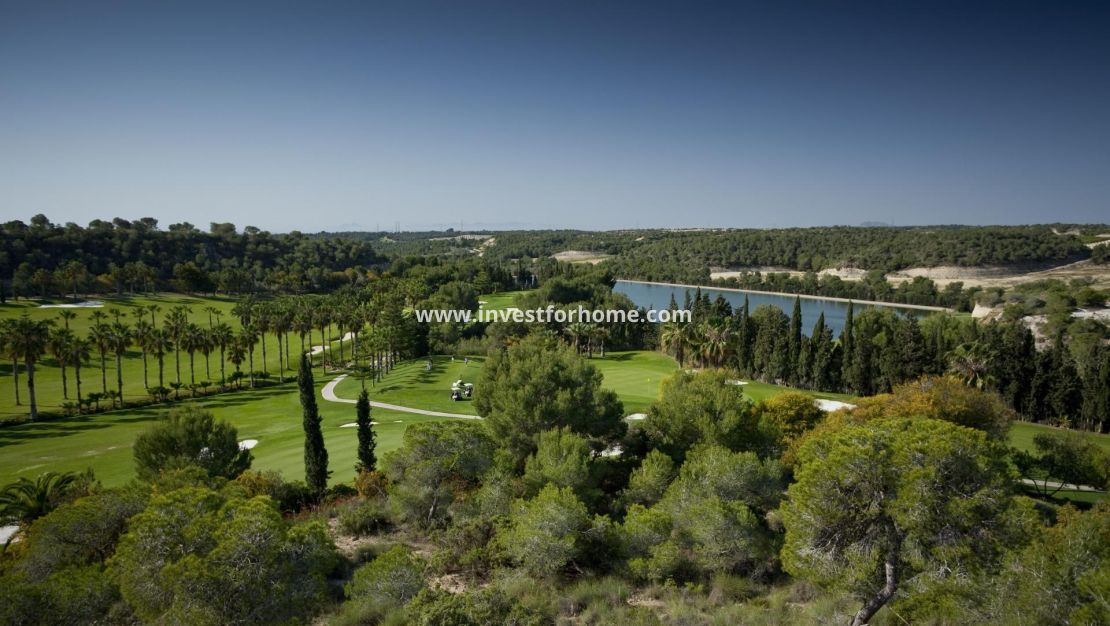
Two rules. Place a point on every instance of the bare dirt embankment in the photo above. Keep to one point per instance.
(1005, 276)
(580, 256)
(986, 277)
(844, 273)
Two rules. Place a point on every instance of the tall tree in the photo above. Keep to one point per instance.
(315, 454)
(367, 461)
(27, 340)
(77, 352)
(848, 346)
(794, 346)
(60, 339)
(119, 340)
(176, 323)
(100, 337)
(142, 333)
(222, 336)
(876, 505)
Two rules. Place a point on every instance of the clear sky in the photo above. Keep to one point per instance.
(523, 114)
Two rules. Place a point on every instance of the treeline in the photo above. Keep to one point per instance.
(1068, 384)
(873, 286)
(687, 256)
(45, 259)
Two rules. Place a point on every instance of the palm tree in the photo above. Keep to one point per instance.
(58, 346)
(98, 335)
(222, 336)
(6, 331)
(972, 363)
(176, 321)
(262, 320)
(212, 312)
(153, 309)
(280, 320)
(248, 335)
(673, 338)
(237, 353)
(27, 339)
(191, 339)
(119, 340)
(207, 344)
(66, 316)
(716, 346)
(577, 331)
(159, 343)
(322, 317)
(598, 335)
(142, 333)
(77, 351)
(26, 500)
(302, 323)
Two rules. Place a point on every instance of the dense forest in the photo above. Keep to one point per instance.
(42, 258)
(686, 255)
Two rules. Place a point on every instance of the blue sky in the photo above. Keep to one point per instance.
(361, 115)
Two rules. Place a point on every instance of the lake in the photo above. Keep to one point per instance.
(658, 296)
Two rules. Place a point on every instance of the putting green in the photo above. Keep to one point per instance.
(499, 300)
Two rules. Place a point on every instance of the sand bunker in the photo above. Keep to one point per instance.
(247, 444)
(87, 304)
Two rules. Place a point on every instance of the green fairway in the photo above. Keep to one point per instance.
(411, 385)
(48, 379)
(1022, 433)
(499, 300)
(272, 416)
(635, 376)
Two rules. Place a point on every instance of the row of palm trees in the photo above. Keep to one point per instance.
(25, 341)
(585, 336)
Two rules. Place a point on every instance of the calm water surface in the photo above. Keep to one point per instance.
(659, 297)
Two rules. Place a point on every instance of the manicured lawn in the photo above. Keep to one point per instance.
(1022, 433)
(635, 376)
(409, 384)
(272, 416)
(499, 300)
(761, 391)
(48, 379)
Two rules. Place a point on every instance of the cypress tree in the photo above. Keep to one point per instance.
(315, 454)
(793, 366)
(744, 345)
(848, 348)
(816, 371)
(366, 459)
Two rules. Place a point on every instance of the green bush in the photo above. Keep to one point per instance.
(392, 579)
(364, 517)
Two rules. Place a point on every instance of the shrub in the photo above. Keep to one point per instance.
(392, 579)
(290, 497)
(364, 517)
(190, 436)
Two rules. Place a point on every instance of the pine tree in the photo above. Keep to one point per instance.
(366, 444)
(315, 454)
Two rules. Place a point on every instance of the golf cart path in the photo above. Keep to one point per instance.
(329, 394)
(320, 349)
